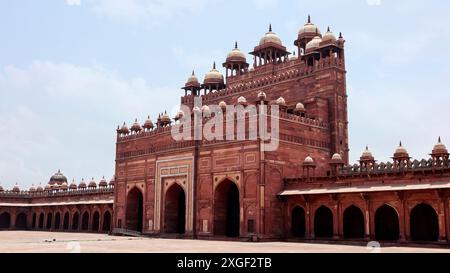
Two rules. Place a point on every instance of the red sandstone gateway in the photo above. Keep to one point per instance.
(217, 188)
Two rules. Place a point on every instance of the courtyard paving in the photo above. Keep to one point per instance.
(57, 242)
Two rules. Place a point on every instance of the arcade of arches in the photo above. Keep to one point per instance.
(418, 221)
(86, 218)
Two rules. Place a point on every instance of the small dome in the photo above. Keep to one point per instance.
(336, 156)
(222, 104)
(439, 148)
(328, 37)
(313, 44)
(179, 115)
(103, 183)
(32, 189)
(165, 117)
(57, 178)
(401, 152)
(281, 101)
(64, 186)
(136, 127)
(148, 124)
(300, 107)
(241, 100)
(73, 185)
(124, 129)
(270, 37)
(309, 28)
(192, 80)
(1, 189)
(366, 155)
(92, 184)
(16, 189)
(214, 76)
(293, 57)
(262, 95)
(111, 182)
(39, 188)
(206, 111)
(309, 161)
(236, 55)
(82, 184)
(48, 187)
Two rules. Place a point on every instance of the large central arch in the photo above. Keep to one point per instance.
(226, 209)
(424, 223)
(323, 223)
(386, 224)
(175, 210)
(353, 223)
(106, 221)
(298, 222)
(135, 209)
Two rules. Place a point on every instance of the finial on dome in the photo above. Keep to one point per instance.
(235, 45)
(340, 35)
(328, 29)
(439, 139)
(135, 120)
(317, 30)
(367, 147)
(214, 65)
(401, 143)
(309, 19)
(193, 72)
(270, 27)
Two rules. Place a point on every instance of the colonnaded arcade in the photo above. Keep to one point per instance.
(305, 189)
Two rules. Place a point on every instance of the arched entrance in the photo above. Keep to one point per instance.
(135, 209)
(66, 221)
(5, 220)
(175, 210)
(57, 220)
(33, 221)
(85, 221)
(106, 221)
(323, 223)
(41, 220)
(386, 224)
(298, 223)
(226, 209)
(21, 221)
(96, 222)
(353, 223)
(424, 223)
(49, 220)
(75, 221)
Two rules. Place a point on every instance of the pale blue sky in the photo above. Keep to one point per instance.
(72, 70)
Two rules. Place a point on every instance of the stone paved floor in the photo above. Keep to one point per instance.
(33, 241)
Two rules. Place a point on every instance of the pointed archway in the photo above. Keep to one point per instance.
(353, 223)
(21, 221)
(75, 221)
(96, 222)
(298, 222)
(41, 220)
(323, 223)
(134, 210)
(33, 221)
(227, 209)
(66, 221)
(424, 223)
(175, 210)
(85, 221)
(5, 220)
(386, 224)
(49, 220)
(106, 221)
(57, 221)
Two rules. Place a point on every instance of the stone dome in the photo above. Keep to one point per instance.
(328, 37)
(300, 107)
(73, 186)
(313, 44)
(309, 161)
(124, 129)
(82, 184)
(64, 186)
(16, 188)
(262, 95)
(32, 189)
(214, 76)
(148, 124)
(366, 155)
(1, 189)
(192, 80)
(222, 104)
(281, 101)
(92, 184)
(336, 157)
(439, 148)
(179, 115)
(236, 55)
(270, 37)
(111, 182)
(136, 127)
(309, 28)
(400, 152)
(48, 187)
(206, 111)
(165, 117)
(103, 183)
(57, 178)
(241, 100)
(39, 188)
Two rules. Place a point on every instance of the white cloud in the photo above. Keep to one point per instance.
(152, 11)
(59, 115)
(374, 2)
(73, 2)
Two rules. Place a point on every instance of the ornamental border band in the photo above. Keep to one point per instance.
(221, 189)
